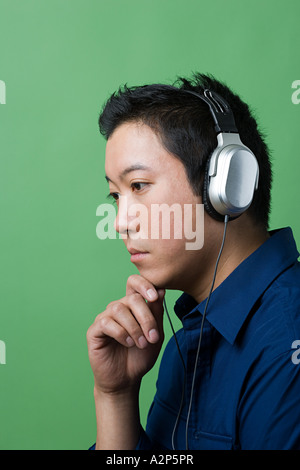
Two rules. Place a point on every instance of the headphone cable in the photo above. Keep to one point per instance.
(201, 331)
(198, 349)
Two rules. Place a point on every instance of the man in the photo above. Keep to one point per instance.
(227, 380)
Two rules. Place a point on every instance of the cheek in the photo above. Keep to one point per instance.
(169, 264)
(176, 224)
(157, 222)
(168, 226)
(168, 255)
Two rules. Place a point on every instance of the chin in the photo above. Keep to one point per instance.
(159, 279)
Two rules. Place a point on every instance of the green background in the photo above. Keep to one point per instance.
(60, 60)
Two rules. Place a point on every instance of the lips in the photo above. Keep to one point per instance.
(137, 255)
(134, 251)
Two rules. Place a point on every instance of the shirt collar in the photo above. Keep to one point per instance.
(231, 301)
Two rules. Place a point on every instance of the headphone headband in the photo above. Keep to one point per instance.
(220, 110)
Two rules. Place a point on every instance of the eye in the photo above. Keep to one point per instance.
(114, 196)
(137, 185)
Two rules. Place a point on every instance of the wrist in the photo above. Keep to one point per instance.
(115, 411)
(116, 395)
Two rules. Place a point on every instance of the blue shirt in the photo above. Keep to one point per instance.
(247, 388)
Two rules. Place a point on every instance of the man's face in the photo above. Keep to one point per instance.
(167, 262)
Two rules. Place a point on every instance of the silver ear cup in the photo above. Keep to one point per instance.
(232, 176)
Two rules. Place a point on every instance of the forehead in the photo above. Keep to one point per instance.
(136, 145)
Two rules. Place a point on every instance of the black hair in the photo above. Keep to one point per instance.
(185, 127)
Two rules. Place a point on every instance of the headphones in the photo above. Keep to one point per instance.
(232, 172)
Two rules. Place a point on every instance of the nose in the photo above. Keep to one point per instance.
(124, 223)
(120, 223)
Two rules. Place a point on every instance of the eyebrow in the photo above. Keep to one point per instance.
(136, 166)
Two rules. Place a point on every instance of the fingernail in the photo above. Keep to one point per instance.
(151, 294)
(129, 341)
(153, 335)
(142, 341)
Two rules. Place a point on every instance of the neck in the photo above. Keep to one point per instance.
(242, 239)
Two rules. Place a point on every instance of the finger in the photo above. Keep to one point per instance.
(105, 328)
(147, 320)
(141, 285)
(157, 308)
(124, 316)
(108, 327)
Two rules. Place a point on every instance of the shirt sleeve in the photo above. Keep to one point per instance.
(269, 412)
(145, 442)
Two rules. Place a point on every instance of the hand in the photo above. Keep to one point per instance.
(125, 339)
